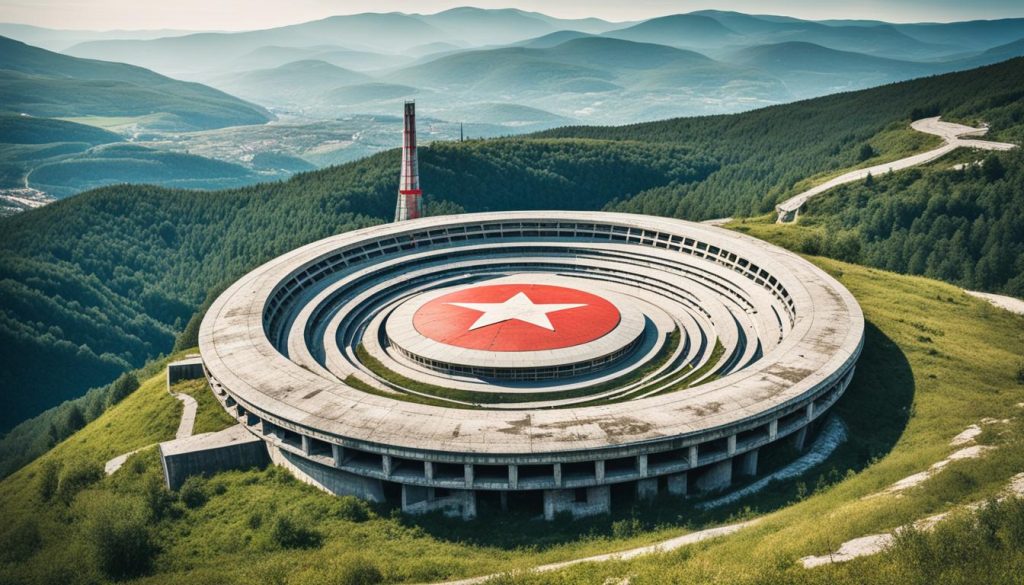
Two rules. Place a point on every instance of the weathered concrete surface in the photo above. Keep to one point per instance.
(111, 467)
(190, 368)
(188, 416)
(232, 448)
(1012, 304)
(421, 500)
(833, 435)
(647, 489)
(597, 501)
(333, 481)
(716, 477)
(952, 135)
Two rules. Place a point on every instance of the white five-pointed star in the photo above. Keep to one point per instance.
(519, 307)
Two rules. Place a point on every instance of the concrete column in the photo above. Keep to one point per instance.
(800, 438)
(556, 501)
(809, 414)
(558, 474)
(730, 445)
(386, 465)
(468, 507)
(647, 489)
(641, 464)
(338, 454)
(552, 500)
(748, 463)
(468, 474)
(428, 469)
(599, 469)
(513, 476)
(773, 430)
(412, 495)
(693, 456)
(307, 445)
(677, 484)
(716, 476)
(599, 501)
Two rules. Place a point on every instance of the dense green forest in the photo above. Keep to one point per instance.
(101, 282)
(964, 226)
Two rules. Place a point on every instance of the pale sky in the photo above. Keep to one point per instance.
(254, 14)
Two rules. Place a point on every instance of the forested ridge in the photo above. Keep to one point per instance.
(962, 225)
(101, 282)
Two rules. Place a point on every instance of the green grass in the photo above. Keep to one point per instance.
(210, 415)
(935, 361)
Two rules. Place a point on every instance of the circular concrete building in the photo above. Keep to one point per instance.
(540, 360)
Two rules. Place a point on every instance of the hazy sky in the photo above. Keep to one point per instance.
(251, 14)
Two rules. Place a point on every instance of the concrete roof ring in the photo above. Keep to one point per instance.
(519, 337)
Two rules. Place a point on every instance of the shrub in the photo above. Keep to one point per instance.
(48, 480)
(353, 509)
(124, 385)
(77, 476)
(21, 541)
(626, 528)
(349, 569)
(192, 493)
(158, 498)
(292, 531)
(865, 152)
(116, 534)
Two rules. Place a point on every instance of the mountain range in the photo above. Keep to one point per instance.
(42, 83)
(494, 71)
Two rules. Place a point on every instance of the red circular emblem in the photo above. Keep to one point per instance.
(516, 317)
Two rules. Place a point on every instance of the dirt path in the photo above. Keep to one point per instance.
(952, 135)
(663, 546)
(185, 426)
(1014, 305)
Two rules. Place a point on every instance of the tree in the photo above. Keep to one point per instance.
(865, 152)
(992, 168)
(49, 479)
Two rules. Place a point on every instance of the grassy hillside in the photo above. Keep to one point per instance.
(935, 361)
(47, 84)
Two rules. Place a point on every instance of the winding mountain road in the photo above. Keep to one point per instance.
(954, 136)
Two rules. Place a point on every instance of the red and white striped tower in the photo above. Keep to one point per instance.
(410, 198)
